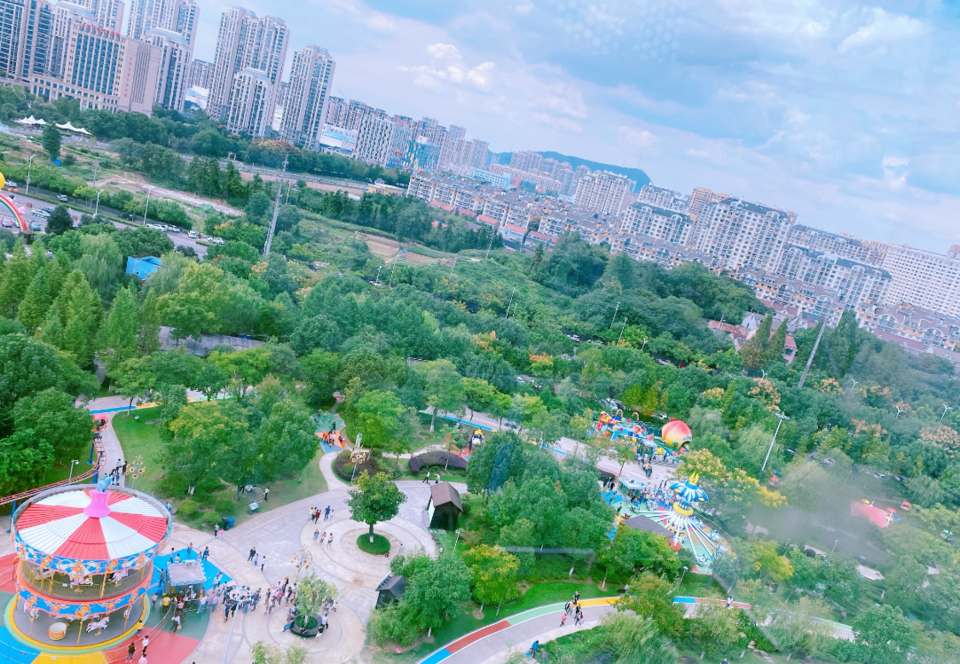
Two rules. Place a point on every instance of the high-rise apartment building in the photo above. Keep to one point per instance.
(247, 44)
(526, 161)
(109, 14)
(845, 245)
(201, 72)
(662, 197)
(375, 140)
(741, 234)
(602, 192)
(305, 108)
(923, 279)
(662, 223)
(700, 199)
(176, 54)
(855, 283)
(25, 32)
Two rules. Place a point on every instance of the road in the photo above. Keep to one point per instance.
(27, 204)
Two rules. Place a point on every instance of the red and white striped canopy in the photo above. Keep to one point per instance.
(117, 527)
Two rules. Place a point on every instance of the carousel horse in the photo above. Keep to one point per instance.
(98, 625)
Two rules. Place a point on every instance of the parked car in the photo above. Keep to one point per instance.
(218, 240)
(35, 226)
(156, 227)
(7, 223)
(12, 185)
(62, 198)
(192, 234)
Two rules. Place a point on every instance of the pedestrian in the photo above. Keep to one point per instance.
(576, 596)
(220, 534)
(131, 650)
(216, 530)
(263, 561)
(256, 599)
(534, 647)
(189, 550)
(266, 495)
(146, 642)
(330, 540)
(138, 627)
(166, 603)
(316, 534)
(316, 517)
(326, 513)
(175, 623)
(256, 560)
(566, 608)
(143, 659)
(563, 620)
(218, 579)
(253, 552)
(226, 611)
(313, 511)
(206, 552)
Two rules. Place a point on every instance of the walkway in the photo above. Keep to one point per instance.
(496, 643)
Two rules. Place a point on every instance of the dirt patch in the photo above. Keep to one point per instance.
(136, 186)
(359, 190)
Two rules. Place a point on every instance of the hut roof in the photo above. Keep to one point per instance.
(444, 493)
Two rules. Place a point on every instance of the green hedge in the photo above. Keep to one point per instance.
(378, 547)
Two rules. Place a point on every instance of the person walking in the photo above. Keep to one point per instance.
(146, 642)
(263, 561)
(316, 534)
(330, 541)
(326, 513)
(563, 620)
(142, 660)
(266, 495)
(139, 627)
(206, 553)
(256, 560)
(175, 623)
(131, 651)
(566, 608)
(253, 552)
(189, 550)
(226, 610)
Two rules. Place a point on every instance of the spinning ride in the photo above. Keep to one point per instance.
(673, 439)
(676, 513)
(85, 561)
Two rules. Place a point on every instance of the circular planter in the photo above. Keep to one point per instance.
(379, 547)
(306, 626)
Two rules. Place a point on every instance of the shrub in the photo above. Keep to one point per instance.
(433, 459)
(225, 506)
(343, 467)
(378, 547)
(187, 508)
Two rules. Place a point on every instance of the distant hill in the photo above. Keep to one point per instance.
(635, 174)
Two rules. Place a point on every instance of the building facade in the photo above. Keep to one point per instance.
(305, 108)
(375, 140)
(661, 223)
(602, 192)
(741, 234)
(923, 279)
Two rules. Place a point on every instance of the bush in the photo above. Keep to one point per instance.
(343, 467)
(433, 459)
(188, 508)
(378, 547)
(225, 506)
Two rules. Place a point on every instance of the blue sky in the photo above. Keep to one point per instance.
(845, 113)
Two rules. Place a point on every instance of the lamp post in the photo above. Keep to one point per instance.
(456, 540)
(146, 205)
(97, 211)
(29, 171)
(782, 417)
(377, 283)
(73, 463)
(622, 329)
(945, 409)
(511, 302)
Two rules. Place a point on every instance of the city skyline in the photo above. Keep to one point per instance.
(788, 119)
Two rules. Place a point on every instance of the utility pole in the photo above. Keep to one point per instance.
(773, 440)
(276, 212)
(615, 312)
(816, 344)
(622, 329)
(511, 302)
(492, 234)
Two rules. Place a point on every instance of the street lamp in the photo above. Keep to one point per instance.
(945, 409)
(622, 329)
(97, 211)
(782, 417)
(29, 171)
(73, 463)
(147, 204)
(456, 540)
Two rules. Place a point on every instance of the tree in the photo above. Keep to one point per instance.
(196, 305)
(320, 370)
(443, 388)
(703, 463)
(378, 417)
(437, 590)
(715, 627)
(135, 378)
(267, 653)
(210, 439)
(319, 331)
(51, 416)
(652, 597)
(32, 311)
(118, 336)
(494, 574)
(526, 409)
(50, 139)
(59, 221)
(15, 281)
(26, 367)
(633, 638)
(884, 634)
(24, 459)
(312, 593)
(374, 500)
(754, 351)
(286, 440)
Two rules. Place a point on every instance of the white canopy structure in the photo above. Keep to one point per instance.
(31, 121)
(78, 130)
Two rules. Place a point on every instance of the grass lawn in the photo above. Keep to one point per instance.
(142, 437)
(540, 594)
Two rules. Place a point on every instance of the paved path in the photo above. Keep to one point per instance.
(496, 643)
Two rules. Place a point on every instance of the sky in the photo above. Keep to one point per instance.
(845, 113)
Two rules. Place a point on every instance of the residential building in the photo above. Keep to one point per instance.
(109, 14)
(526, 161)
(104, 70)
(375, 140)
(742, 234)
(337, 140)
(662, 223)
(661, 197)
(201, 73)
(602, 192)
(541, 181)
(923, 279)
(489, 177)
(251, 102)
(179, 16)
(176, 54)
(907, 322)
(423, 155)
(399, 145)
(700, 199)
(820, 302)
(842, 244)
(305, 109)
(246, 43)
(25, 35)
(856, 283)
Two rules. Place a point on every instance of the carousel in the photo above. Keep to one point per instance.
(85, 562)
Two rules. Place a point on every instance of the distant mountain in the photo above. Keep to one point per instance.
(635, 174)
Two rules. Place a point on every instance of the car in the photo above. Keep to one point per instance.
(520, 379)
(218, 240)
(879, 476)
(7, 223)
(156, 227)
(192, 234)
(38, 213)
(35, 226)
(62, 198)
(48, 208)
(12, 185)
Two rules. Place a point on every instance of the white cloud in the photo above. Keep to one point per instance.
(638, 138)
(883, 29)
(381, 23)
(449, 66)
(564, 124)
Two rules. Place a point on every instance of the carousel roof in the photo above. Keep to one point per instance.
(92, 525)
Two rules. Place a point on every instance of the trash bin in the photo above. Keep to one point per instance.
(227, 522)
